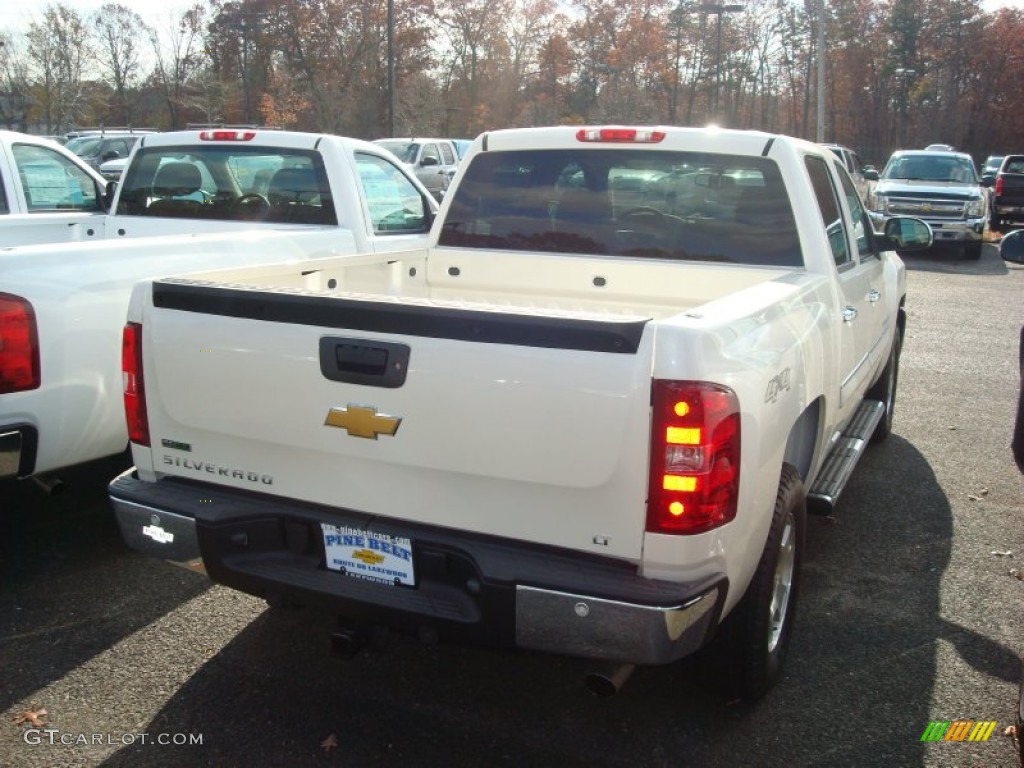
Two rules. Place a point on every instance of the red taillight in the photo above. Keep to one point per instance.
(134, 387)
(19, 345)
(620, 135)
(695, 457)
(999, 185)
(227, 135)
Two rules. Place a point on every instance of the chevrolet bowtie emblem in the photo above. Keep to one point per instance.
(362, 421)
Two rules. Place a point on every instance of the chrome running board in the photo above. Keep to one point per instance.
(843, 457)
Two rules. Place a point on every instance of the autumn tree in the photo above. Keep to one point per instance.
(180, 53)
(116, 30)
(15, 95)
(530, 26)
(997, 77)
(946, 97)
(58, 51)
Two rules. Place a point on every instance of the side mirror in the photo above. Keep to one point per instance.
(1011, 247)
(427, 161)
(110, 154)
(905, 233)
(870, 174)
(988, 181)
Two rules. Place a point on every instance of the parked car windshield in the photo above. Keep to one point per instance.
(403, 150)
(626, 202)
(992, 165)
(944, 167)
(85, 146)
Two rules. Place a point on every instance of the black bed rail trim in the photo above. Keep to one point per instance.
(614, 336)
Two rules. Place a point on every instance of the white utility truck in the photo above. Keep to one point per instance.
(188, 200)
(586, 418)
(47, 193)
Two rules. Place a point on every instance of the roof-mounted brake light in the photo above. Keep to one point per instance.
(227, 135)
(620, 135)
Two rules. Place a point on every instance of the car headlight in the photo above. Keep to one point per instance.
(976, 207)
(878, 203)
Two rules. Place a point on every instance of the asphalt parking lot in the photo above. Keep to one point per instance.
(911, 613)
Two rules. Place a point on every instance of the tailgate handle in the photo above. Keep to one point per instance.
(364, 361)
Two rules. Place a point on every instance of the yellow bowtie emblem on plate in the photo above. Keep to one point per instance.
(362, 421)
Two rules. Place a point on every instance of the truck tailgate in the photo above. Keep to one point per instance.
(523, 424)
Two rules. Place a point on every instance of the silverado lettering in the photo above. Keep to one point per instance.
(200, 466)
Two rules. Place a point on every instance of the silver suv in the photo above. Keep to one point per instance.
(432, 160)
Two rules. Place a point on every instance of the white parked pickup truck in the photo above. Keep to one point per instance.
(190, 200)
(587, 418)
(47, 194)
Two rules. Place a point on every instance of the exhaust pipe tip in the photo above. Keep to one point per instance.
(608, 679)
(51, 486)
(346, 643)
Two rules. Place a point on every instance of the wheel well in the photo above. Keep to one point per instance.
(803, 439)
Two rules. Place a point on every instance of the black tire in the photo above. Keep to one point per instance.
(756, 635)
(995, 223)
(885, 390)
(972, 251)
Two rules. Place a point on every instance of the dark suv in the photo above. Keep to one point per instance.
(98, 146)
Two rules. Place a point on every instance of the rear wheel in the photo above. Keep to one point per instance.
(756, 635)
(972, 251)
(995, 222)
(885, 390)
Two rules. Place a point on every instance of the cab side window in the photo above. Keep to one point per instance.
(396, 206)
(828, 206)
(52, 182)
(861, 223)
(430, 152)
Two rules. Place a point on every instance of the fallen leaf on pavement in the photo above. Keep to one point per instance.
(33, 715)
(331, 742)
(1017, 574)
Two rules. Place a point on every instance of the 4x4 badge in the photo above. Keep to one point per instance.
(362, 421)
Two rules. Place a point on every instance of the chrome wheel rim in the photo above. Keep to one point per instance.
(782, 583)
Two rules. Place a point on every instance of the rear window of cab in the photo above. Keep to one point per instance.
(627, 203)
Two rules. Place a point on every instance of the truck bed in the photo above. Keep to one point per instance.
(497, 281)
(563, 371)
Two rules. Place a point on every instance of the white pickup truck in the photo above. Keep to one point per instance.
(189, 200)
(47, 194)
(587, 418)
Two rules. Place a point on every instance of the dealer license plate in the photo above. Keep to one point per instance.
(368, 555)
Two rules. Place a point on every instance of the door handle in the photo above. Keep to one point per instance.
(874, 296)
(364, 361)
(849, 314)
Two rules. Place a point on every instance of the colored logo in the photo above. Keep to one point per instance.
(958, 730)
(362, 421)
(368, 557)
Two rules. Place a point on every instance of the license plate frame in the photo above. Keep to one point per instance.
(369, 555)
